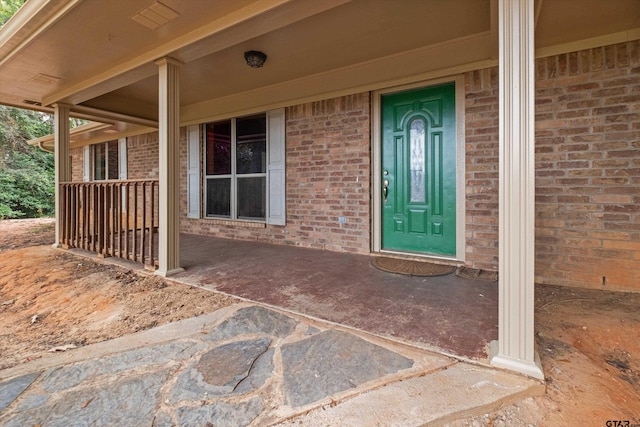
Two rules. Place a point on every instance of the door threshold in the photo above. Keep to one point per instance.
(423, 257)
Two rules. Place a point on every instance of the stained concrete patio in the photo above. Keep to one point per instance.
(448, 314)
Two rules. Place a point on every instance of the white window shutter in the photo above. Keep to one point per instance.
(122, 159)
(86, 163)
(193, 171)
(277, 210)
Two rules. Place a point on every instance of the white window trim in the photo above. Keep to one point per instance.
(276, 168)
(193, 171)
(122, 159)
(86, 163)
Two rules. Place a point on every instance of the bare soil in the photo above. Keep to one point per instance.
(589, 345)
(51, 300)
(588, 340)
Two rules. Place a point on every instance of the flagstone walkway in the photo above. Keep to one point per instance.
(249, 365)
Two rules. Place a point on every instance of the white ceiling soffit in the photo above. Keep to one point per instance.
(357, 32)
(243, 20)
(105, 60)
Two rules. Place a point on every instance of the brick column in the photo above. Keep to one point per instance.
(515, 349)
(169, 167)
(61, 159)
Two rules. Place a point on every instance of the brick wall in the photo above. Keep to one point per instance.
(588, 167)
(142, 156)
(481, 165)
(77, 162)
(328, 175)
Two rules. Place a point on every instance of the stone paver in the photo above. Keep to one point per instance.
(248, 365)
(10, 390)
(129, 401)
(225, 414)
(443, 396)
(332, 361)
(253, 320)
(220, 371)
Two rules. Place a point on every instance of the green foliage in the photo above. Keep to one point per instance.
(8, 8)
(26, 172)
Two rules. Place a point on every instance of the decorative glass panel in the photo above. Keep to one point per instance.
(251, 144)
(219, 197)
(218, 147)
(112, 159)
(416, 161)
(252, 197)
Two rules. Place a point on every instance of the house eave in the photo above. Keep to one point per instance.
(93, 133)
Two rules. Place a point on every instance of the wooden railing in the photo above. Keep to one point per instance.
(111, 218)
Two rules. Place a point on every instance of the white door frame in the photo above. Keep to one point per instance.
(376, 170)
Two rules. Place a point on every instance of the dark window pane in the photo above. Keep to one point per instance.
(252, 198)
(219, 197)
(99, 162)
(112, 156)
(218, 148)
(251, 145)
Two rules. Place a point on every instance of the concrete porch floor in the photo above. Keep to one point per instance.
(448, 314)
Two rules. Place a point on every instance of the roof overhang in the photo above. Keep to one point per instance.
(99, 57)
(93, 133)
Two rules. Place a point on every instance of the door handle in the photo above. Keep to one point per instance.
(385, 189)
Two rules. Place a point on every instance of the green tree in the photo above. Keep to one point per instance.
(26, 172)
(8, 8)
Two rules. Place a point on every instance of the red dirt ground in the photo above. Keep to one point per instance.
(588, 340)
(50, 298)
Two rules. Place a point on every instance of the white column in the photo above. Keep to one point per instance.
(169, 173)
(515, 349)
(61, 161)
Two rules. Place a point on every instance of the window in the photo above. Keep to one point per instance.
(105, 161)
(236, 168)
(242, 174)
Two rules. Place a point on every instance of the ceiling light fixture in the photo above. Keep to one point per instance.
(255, 59)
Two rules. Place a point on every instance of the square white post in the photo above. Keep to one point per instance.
(515, 349)
(169, 167)
(61, 162)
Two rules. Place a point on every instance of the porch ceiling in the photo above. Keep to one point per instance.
(94, 54)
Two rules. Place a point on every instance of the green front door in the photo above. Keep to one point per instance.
(419, 171)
